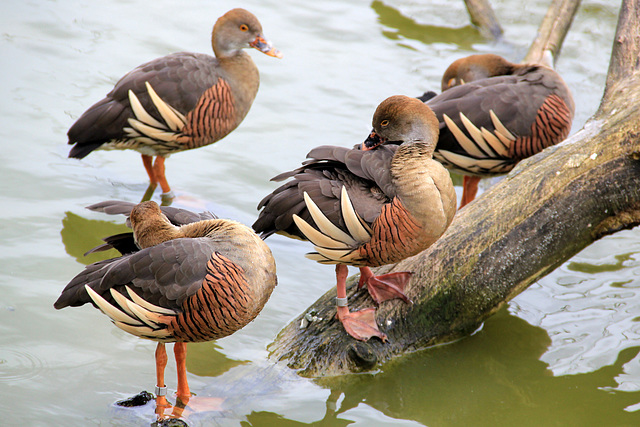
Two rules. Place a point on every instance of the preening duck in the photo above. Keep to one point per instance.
(184, 277)
(494, 113)
(375, 204)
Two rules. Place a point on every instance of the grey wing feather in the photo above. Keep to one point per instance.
(164, 274)
(365, 174)
(515, 99)
(179, 79)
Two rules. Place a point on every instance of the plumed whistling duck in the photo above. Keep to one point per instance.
(194, 278)
(178, 102)
(494, 113)
(375, 204)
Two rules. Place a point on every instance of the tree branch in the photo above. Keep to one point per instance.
(546, 210)
(625, 55)
(553, 29)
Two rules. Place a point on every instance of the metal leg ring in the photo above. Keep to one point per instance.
(341, 302)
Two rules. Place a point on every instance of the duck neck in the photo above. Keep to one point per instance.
(409, 172)
(154, 231)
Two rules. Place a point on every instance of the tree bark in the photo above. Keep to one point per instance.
(546, 210)
(483, 17)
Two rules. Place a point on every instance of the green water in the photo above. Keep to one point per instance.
(565, 352)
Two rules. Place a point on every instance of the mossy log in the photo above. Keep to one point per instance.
(546, 210)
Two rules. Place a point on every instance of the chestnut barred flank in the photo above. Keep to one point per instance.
(395, 235)
(213, 117)
(551, 126)
(219, 308)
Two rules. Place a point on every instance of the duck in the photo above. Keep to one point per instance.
(183, 278)
(177, 102)
(374, 204)
(494, 113)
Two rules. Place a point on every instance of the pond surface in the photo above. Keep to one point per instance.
(564, 352)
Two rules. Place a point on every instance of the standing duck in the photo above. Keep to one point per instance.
(178, 102)
(371, 205)
(494, 113)
(199, 280)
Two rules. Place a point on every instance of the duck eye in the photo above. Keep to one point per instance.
(384, 123)
(244, 28)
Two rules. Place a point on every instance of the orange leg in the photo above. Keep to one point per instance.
(469, 189)
(161, 388)
(180, 350)
(147, 161)
(185, 402)
(158, 169)
(385, 287)
(359, 324)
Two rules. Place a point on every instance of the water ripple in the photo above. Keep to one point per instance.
(17, 364)
(589, 307)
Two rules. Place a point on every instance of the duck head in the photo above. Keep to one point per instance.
(399, 119)
(475, 67)
(239, 29)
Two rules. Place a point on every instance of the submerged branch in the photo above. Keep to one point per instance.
(483, 17)
(553, 29)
